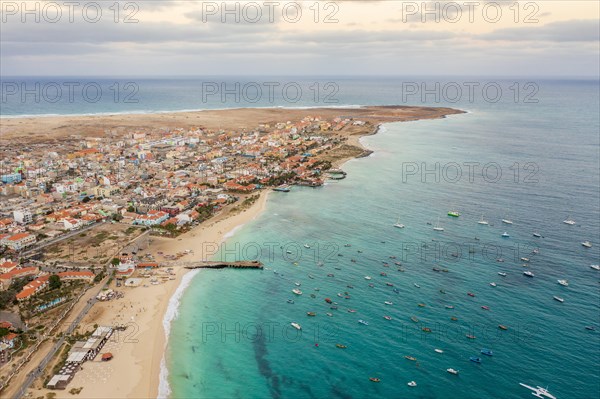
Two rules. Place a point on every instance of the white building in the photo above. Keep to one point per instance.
(22, 216)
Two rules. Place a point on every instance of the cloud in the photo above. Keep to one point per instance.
(563, 31)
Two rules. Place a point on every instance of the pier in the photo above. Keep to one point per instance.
(222, 265)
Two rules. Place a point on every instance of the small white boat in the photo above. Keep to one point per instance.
(306, 246)
(564, 283)
(388, 303)
(569, 221)
(437, 226)
(412, 384)
(297, 284)
(537, 235)
(502, 274)
(297, 291)
(398, 224)
(528, 273)
(438, 350)
(587, 244)
(505, 235)
(452, 371)
(417, 285)
(483, 221)
(525, 259)
(595, 267)
(367, 277)
(559, 299)
(507, 221)
(296, 326)
(493, 284)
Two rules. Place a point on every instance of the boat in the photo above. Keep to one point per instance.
(347, 245)
(502, 327)
(396, 290)
(452, 371)
(454, 318)
(437, 226)
(311, 276)
(398, 224)
(417, 285)
(487, 352)
(311, 314)
(483, 221)
(296, 326)
(290, 301)
(367, 277)
(328, 300)
(454, 214)
(297, 291)
(313, 296)
(449, 307)
(297, 284)
(439, 350)
(537, 235)
(442, 291)
(569, 221)
(371, 285)
(389, 284)
(426, 329)
(470, 294)
(330, 275)
(507, 221)
(413, 318)
(421, 305)
(387, 317)
(595, 267)
(493, 284)
(363, 322)
(383, 274)
(590, 328)
(485, 307)
(587, 244)
(539, 392)
(435, 269)
(341, 346)
(525, 259)
(559, 299)
(329, 314)
(412, 384)
(470, 336)
(505, 235)
(413, 359)
(284, 188)
(502, 274)
(475, 359)
(388, 303)
(351, 310)
(374, 379)
(564, 283)
(306, 246)
(528, 273)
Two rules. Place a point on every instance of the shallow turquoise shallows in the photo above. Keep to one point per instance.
(233, 338)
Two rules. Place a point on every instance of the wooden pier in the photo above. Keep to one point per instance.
(223, 265)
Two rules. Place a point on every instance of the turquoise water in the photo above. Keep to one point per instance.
(233, 336)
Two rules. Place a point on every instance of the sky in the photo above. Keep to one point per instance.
(334, 38)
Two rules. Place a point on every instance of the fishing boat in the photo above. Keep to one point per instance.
(371, 285)
(297, 291)
(454, 214)
(312, 314)
(590, 328)
(351, 310)
(389, 284)
(373, 379)
(396, 290)
(421, 305)
(297, 284)
(475, 359)
(426, 329)
(383, 274)
(454, 318)
(507, 221)
(537, 235)
(502, 327)
(341, 346)
(525, 259)
(412, 384)
(313, 296)
(505, 235)
(528, 273)
(363, 322)
(435, 269)
(485, 307)
(587, 244)
(502, 274)
(306, 246)
(449, 307)
(439, 350)
(387, 317)
(470, 294)
(388, 303)
(559, 299)
(569, 221)
(442, 291)
(470, 336)
(296, 326)
(290, 301)
(413, 359)
(330, 275)
(595, 267)
(329, 314)
(452, 371)
(487, 352)
(483, 221)
(284, 188)
(493, 284)
(347, 245)
(416, 285)
(310, 276)
(413, 318)
(398, 224)
(367, 277)
(564, 283)
(437, 226)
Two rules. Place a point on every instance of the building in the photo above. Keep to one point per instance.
(7, 278)
(32, 288)
(18, 241)
(22, 216)
(11, 178)
(85, 275)
(152, 218)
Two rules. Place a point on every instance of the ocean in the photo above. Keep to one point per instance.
(529, 154)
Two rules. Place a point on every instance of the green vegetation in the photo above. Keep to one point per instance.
(54, 282)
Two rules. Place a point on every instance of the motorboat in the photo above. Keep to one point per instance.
(587, 244)
(475, 359)
(505, 235)
(452, 371)
(502, 274)
(559, 299)
(412, 384)
(493, 284)
(297, 291)
(363, 322)
(528, 273)
(296, 326)
(487, 352)
(564, 283)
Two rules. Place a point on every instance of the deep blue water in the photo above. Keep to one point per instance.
(233, 336)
